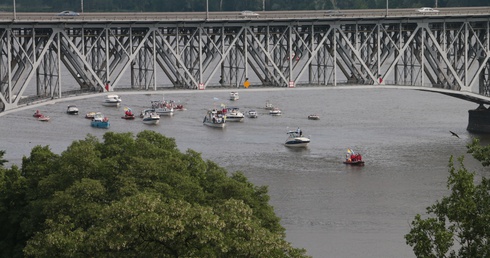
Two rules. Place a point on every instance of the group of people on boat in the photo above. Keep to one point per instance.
(352, 156)
(128, 113)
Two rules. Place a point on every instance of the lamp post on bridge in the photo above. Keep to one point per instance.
(15, 15)
(207, 9)
(386, 8)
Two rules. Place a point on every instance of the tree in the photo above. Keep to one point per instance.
(459, 224)
(134, 196)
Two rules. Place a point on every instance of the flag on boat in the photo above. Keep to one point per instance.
(350, 151)
(127, 109)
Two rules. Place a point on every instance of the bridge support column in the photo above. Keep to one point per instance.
(479, 120)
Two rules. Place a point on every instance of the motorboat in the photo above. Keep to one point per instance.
(233, 114)
(43, 118)
(90, 115)
(151, 118)
(112, 101)
(162, 108)
(252, 114)
(72, 110)
(128, 114)
(353, 158)
(314, 117)
(268, 105)
(296, 139)
(234, 95)
(214, 118)
(37, 114)
(100, 121)
(275, 112)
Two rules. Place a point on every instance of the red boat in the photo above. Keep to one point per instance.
(353, 158)
(128, 114)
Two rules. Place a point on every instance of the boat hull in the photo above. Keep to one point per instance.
(151, 121)
(111, 104)
(128, 117)
(100, 124)
(215, 125)
(234, 119)
(354, 163)
(297, 144)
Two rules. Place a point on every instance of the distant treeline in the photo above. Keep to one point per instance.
(222, 5)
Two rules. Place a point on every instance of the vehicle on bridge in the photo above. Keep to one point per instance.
(427, 10)
(68, 13)
(249, 14)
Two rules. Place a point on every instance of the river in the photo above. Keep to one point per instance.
(328, 208)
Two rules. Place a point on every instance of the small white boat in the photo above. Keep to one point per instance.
(234, 115)
(268, 105)
(252, 114)
(151, 118)
(112, 101)
(90, 115)
(314, 117)
(296, 139)
(214, 118)
(72, 110)
(234, 95)
(275, 112)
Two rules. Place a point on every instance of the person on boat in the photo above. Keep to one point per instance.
(128, 113)
(299, 132)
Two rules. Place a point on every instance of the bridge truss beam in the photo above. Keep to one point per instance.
(444, 53)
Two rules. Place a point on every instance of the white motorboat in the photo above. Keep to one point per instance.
(234, 95)
(162, 108)
(214, 118)
(151, 118)
(252, 114)
(234, 115)
(72, 110)
(275, 112)
(112, 101)
(314, 117)
(296, 139)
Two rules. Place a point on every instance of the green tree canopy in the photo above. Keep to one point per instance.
(134, 196)
(458, 225)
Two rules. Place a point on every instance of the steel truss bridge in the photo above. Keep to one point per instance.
(44, 56)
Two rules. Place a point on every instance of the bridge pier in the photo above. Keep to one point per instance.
(479, 120)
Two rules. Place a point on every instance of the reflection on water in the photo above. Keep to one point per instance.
(327, 207)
